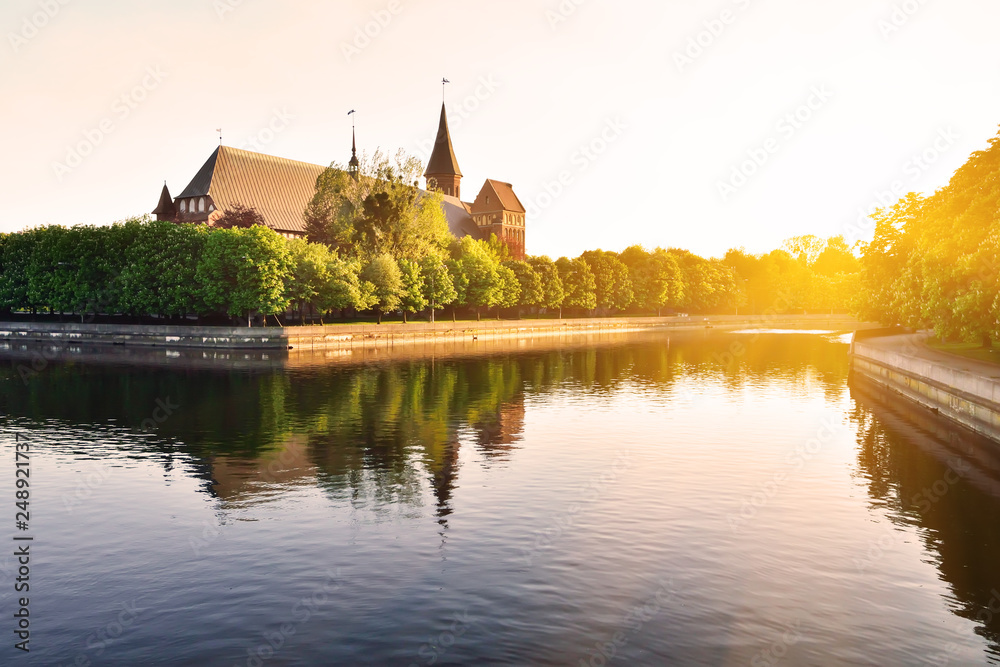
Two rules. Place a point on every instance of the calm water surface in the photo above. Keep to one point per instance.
(710, 499)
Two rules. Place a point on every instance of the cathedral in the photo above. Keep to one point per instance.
(280, 189)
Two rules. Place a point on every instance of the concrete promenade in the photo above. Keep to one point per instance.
(964, 390)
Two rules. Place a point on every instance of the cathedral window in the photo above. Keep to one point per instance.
(183, 206)
(201, 205)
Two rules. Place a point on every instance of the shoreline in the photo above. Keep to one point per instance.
(354, 336)
(965, 391)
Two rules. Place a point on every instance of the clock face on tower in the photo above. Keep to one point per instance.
(432, 184)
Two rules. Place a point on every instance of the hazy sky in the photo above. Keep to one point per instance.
(697, 124)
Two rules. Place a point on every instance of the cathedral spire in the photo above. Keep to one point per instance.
(354, 165)
(442, 169)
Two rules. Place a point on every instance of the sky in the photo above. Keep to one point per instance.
(704, 125)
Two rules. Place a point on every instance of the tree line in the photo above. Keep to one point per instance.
(933, 260)
(143, 267)
(377, 244)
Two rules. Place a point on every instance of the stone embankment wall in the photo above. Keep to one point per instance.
(367, 335)
(902, 364)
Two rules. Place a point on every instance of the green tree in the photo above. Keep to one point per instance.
(386, 281)
(483, 286)
(531, 292)
(439, 284)
(552, 286)
(379, 213)
(412, 299)
(243, 271)
(509, 288)
(16, 269)
(656, 278)
(579, 284)
(836, 258)
(343, 289)
(499, 249)
(310, 274)
(806, 249)
(160, 273)
(611, 278)
(459, 282)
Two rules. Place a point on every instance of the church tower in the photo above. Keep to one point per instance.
(354, 165)
(443, 174)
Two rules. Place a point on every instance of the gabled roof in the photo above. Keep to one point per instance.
(279, 189)
(165, 207)
(443, 160)
(505, 198)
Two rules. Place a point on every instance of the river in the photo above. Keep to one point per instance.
(702, 498)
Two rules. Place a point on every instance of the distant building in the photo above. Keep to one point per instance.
(280, 189)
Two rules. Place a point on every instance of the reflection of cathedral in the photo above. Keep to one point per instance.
(241, 479)
(307, 460)
(500, 435)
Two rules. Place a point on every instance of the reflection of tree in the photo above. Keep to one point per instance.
(376, 435)
(944, 480)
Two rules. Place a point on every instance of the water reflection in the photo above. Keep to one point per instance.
(373, 432)
(923, 472)
(401, 436)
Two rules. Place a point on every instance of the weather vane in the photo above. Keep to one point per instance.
(219, 130)
(444, 82)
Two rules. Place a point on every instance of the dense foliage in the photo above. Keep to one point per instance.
(377, 244)
(148, 268)
(933, 261)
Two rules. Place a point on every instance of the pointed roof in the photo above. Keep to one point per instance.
(354, 151)
(165, 207)
(443, 160)
(279, 189)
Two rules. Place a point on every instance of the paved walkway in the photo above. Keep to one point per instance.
(915, 345)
